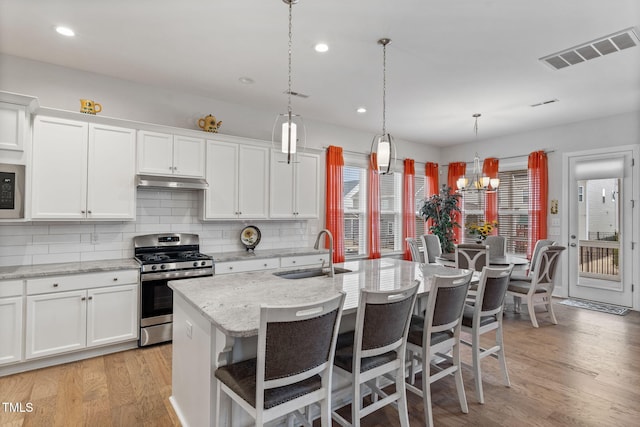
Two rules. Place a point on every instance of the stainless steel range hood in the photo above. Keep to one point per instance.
(179, 183)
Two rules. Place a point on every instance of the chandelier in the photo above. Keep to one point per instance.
(477, 181)
(288, 129)
(383, 144)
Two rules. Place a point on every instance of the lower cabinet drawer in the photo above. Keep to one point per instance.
(43, 285)
(250, 265)
(294, 261)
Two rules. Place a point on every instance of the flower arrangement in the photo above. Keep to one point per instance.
(482, 230)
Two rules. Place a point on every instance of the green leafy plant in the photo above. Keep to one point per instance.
(440, 208)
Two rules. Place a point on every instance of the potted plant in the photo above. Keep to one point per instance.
(439, 208)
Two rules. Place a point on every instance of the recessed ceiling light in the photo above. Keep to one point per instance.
(361, 110)
(321, 47)
(246, 80)
(65, 31)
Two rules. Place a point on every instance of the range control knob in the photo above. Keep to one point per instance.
(195, 264)
(162, 267)
(203, 263)
(153, 267)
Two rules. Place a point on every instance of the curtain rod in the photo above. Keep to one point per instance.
(446, 164)
(508, 157)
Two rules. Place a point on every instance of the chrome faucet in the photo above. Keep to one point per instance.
(330, 236)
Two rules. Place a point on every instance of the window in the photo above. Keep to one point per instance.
(355, 179)
(472, 212)
(419, 186)
(355, 210)
(513, 209)
(390, 213)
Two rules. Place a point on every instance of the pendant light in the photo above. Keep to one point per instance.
(289, 130)
(383, 145)
(478, 181)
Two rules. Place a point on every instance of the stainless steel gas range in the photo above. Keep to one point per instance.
(165, 257)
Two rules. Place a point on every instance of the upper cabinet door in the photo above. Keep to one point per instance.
(111, 173)
(12, 126)
(59, 169)
(253, 182)
(155, 153)
(307, 186)
(281, 200)
(188, 156)
(221, 198)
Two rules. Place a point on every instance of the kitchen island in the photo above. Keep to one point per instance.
(215, 321)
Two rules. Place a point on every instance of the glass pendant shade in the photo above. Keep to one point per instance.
(285, 130)
(385, 150)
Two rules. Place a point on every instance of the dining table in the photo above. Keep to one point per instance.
(519, 262)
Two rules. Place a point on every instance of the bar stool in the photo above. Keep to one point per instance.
(293, 367)
(376, 349)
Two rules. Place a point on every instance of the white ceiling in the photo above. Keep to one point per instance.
(447, 60)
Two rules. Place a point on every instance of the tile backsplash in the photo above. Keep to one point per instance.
(158, 211)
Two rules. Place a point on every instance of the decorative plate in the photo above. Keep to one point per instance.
(250, 237)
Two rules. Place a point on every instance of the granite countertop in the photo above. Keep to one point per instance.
(232, 301)
(263, 254)
(43, 270)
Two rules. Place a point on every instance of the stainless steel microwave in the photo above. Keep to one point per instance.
(11, 191)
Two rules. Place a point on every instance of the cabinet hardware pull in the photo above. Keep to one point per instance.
(90, 298)
(115, 279)
(88, 211)
(265, 265)
(55, 285)
(231, 268)
(81, 211)
(83, 299)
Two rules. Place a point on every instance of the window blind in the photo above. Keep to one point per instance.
(390, 213)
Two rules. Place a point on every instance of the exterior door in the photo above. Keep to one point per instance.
(601, 228)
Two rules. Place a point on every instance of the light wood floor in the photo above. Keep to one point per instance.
(583, 372)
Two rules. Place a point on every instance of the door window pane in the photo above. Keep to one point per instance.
(355, 209)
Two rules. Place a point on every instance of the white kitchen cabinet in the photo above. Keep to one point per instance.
(15, 114)
(294, 187)
(11, 329)
(75, 312)
(112, 314)
(56, 323)
(167, 154)
(229, 267)
(82, 171)
(238, 177)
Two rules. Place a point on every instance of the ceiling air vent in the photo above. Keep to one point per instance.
(594, 49)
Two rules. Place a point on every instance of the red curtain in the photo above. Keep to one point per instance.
(538, 193)
(374, 208)
(334, 214)
(408, 205)
(431, 174)
(490, 169)
(456, 170)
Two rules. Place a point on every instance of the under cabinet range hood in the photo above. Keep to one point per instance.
(180, 183)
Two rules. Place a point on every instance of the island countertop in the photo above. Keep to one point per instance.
(232, 302)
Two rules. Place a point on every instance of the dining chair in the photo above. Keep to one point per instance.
(375, 349)
(414, 248)
(472, 256)
(293, 366)
(534, 257)
(485, 315)
(498, 245)
(539, 290)
(432, 247)
(435, 338)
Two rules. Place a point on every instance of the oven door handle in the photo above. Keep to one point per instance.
(177, 275)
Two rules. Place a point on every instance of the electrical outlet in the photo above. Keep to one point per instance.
(555, 222)
(189, 329)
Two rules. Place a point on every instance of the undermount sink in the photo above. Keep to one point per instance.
(309, 272)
